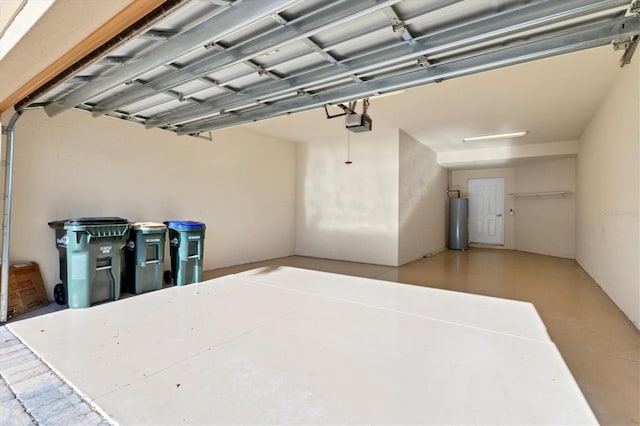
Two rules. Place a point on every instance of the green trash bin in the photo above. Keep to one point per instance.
(186, 240)
(90, 259)
(144, 257)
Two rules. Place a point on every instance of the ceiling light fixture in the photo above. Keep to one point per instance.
(496, 136)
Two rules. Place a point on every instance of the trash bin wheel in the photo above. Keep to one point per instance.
(60, 294)
(167, 277)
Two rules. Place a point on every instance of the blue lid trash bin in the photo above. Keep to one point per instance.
(90, 250)
(144, 256)
(186, 240)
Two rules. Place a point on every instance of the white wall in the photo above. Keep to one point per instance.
(608, 233)
(496, 157)
(543, 225)
(349, 212)
(241, 184)
(422, 201)
(388, 207)
(546, 224)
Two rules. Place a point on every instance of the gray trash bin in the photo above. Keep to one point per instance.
(144, 257)
(90, 251)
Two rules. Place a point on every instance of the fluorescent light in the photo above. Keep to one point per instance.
(497, 136)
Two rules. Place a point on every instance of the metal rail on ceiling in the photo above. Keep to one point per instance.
(594, 36)
(500, 25)
(234, 17)
(400, 44)
(331, 16)
(119, 39)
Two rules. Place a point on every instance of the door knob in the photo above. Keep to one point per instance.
(499, 215)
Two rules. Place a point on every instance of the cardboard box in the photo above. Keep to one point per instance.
(26, 289)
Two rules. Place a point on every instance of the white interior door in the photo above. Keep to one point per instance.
(486, 211)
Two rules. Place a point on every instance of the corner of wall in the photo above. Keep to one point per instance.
(546, 224)
(349, 212)
(422, 201)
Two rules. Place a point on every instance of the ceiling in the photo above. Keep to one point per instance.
(202, 65)
(553, 99)
(16, 18)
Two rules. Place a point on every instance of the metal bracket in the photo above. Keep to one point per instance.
(629, 51)
(261, 71)
(200, 136)
(134, 83)
(216, 46)
(423, 61)
(634, 8)
(397, 25)
(159, 34)
(622, 44)
(345, 110)
(115, 59)
(279, 19)
(365, 105)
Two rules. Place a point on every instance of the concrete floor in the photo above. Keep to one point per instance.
(598, 343)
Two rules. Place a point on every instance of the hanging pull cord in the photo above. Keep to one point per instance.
(348, 162)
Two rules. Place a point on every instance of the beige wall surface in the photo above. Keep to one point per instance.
(546, 224)
(543, 225)
(608, 234)
(8, 11)
(241, 184)
(422, 201)
(349, 212)
(459, 179)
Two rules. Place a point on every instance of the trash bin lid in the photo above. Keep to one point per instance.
(148, 226)
(89, 221)
(185, 225)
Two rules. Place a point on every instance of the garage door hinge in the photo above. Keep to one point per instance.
(622, 44)
(634, 9)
